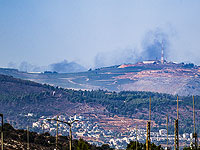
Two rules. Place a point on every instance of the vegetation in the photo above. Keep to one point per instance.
(17, 139)
(141, 146)
(19, 96)
(189, 148)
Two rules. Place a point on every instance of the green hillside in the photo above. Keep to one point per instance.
(19, 97)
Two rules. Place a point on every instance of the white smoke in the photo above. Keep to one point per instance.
(60, 67)
(116, 57)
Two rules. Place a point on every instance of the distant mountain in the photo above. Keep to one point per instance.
(171, 78)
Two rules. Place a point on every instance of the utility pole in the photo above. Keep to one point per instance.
(194, 134)
(28, 146)
(167, 131)
(2, 129)
(70, 130)
(57, 134)
(136, 137)
(42, 125)
(148, 140)
(56, 130)
(176, 137)
(70, 137)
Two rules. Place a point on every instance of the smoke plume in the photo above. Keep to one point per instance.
(60, 67)
(116, 57)
(25, 66)
(66, 67)
(152, 45)
(151, 50)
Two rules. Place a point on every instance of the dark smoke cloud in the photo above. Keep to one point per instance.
(151, 50)
(152, 44)
(67, 67)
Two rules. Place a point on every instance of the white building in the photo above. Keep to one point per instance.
(162, 132)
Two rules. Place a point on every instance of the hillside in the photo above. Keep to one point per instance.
(182, 79)
(25, 102)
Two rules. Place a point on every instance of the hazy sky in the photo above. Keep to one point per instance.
(42, 32)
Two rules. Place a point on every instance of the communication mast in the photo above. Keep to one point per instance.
(148, 140)
(176, 138)
(162, 54)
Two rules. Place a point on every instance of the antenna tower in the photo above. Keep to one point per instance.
(162, 54)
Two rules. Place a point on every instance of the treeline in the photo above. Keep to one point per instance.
(141, 146)
(129, 102)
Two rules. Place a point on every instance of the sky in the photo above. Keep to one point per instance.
(43, 32)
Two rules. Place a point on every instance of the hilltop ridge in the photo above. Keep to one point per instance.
(152, 76)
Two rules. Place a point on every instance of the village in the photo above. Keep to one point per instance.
(94, 133)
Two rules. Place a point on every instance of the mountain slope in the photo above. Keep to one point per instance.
(20, 97)
(27, 103)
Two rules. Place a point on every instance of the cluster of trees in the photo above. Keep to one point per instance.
(141, 146)
(127, 102)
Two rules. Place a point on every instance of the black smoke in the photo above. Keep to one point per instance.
(152, 45)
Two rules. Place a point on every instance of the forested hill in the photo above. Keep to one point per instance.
(13, 88)
(19, 97)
